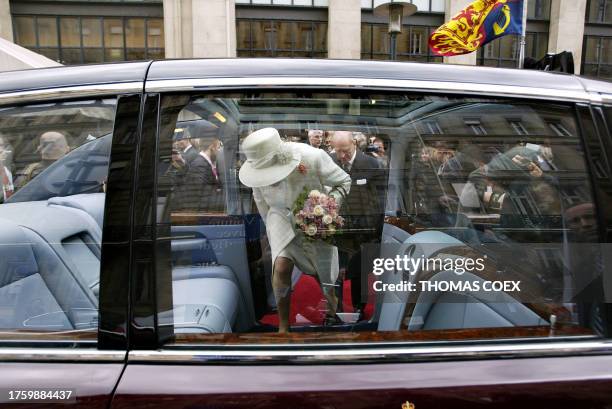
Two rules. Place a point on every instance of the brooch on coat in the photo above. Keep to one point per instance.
(302, 168)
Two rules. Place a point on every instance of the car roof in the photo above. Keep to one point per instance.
(293, 67)
(56, 77)
(73, 75)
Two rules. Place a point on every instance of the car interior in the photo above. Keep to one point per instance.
(443, 197)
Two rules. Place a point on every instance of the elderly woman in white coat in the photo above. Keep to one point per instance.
(279, 172)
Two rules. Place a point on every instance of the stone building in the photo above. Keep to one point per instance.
(88, 31)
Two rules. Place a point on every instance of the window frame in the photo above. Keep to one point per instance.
(105, 344)
(288, 352)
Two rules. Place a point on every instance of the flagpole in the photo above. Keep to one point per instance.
(523, 39)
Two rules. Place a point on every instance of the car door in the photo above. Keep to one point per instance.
(67, 160)
(506, 182)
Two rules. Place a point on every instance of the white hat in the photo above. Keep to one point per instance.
(268, 159)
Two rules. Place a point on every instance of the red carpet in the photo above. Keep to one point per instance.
(308, 304)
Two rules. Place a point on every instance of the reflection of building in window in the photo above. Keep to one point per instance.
(432, 127)
(559, 129)
(525, 203)
(518, 127)
(476, 126)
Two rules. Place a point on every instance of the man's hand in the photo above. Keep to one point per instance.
(533, 169)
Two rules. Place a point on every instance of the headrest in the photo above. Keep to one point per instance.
(16, 255)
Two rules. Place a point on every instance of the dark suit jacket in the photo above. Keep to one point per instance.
(190, 155)
(363, 208)
(200, 189)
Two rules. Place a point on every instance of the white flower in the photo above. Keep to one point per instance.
(327, 219)
(331, 230)
(318, 210)
(314, 194)
(311, 230)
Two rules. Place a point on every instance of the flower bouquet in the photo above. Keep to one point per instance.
(316, 214)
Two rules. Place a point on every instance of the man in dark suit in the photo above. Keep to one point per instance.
(182, 136)
(363, 208)
(201, 189)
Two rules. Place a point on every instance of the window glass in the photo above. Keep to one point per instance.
(135, 32)
(53, 168)
(302, 213)
(155, 33)
(92, 32)
(281, 38)
(113, 33)
(25, 33)
(47, 31)
(538, 9)
(600, 11)
(438, 5)
(70, 32)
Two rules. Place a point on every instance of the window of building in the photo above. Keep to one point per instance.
(518, 127)
(432, 127)
(559, 129)
(475, 126)
(411, 43)
(236, 213)
(599, 11)
(77, 40)
(538, 9)
(425, 6)
(597, 60)
(504, 52)
(53, 168)
(297, 3)
(274, 38)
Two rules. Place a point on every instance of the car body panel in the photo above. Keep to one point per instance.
(530, 383)
(91, 383)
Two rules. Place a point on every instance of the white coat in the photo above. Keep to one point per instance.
(275, 205)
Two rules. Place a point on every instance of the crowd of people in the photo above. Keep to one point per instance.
(371, 146)
(52, 145)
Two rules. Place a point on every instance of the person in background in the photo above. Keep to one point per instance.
(361, 141)
(315, 138)
(328, 145)
(377, 150)
(6, 152)
(188, 152)
(201, 188)
(53, 146)
(363, 209)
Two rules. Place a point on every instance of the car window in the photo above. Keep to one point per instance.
(382, 216)
(53, 163)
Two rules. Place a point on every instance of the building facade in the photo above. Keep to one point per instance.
(88, 31)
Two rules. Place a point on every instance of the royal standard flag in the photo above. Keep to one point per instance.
(478, 24)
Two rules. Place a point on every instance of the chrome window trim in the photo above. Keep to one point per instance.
(276, 354)
(66, 354)
(77, 91)
(370, 83)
